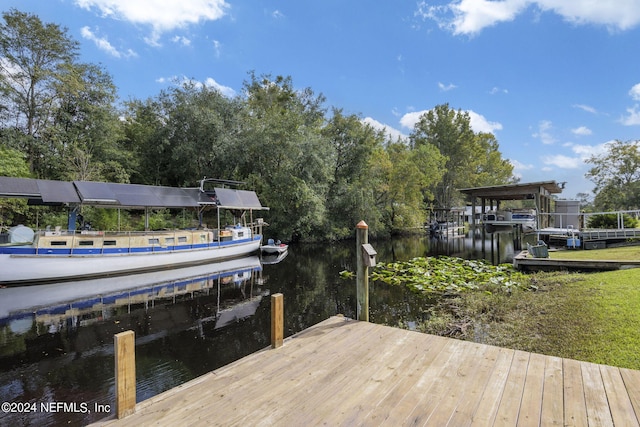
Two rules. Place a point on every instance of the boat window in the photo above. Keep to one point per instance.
(154, 241)
(240, 233)
(109, 243)
(85, 243)
(58, 243)
(182, 239)
(169, 240)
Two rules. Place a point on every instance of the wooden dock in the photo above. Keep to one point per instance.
(346, 372)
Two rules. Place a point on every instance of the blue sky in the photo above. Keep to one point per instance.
(554, 80)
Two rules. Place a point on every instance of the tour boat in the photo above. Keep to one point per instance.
(31, 257)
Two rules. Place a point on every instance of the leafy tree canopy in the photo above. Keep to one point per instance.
(616, 174)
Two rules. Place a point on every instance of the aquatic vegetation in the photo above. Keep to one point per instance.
(346, 274)
(450, 275)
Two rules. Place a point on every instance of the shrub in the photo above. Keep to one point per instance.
(610, 221)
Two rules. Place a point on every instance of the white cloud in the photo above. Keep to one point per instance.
(494, 90)
(586, 151)
(470, 17)
(519, 168)
(478, 122)
(181, 40)
(619, 14)
(225, 90)
(216, 48)
(633, 115)
(446, 88)
(161, 15)
(393, 133)
(581, 131)
(634, 93)
(208, 82)
(562, 161)
(581, 153)
(632, 118)
(544, 132)
(586, 108)
(409, 120)
(103, 44)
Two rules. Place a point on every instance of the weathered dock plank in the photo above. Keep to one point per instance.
(344, 372)
(553, 394)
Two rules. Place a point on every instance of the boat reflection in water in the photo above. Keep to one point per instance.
(66, 330)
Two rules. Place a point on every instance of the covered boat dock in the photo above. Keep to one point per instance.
(540, 192)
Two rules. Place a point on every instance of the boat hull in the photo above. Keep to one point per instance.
(27, 269)
(273, 249)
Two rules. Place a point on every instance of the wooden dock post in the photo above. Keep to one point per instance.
(125, 373)
(277, 320)
(362, 273)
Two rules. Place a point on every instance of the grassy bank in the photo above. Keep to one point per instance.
(623, 253)
(592, 317)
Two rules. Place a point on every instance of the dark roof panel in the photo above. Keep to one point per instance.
(96, 193)
(237, 199)
(57, 191)
(18, 187)
(124, 195)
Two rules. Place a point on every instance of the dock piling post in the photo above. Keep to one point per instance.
(362, 273)
(277, 320)
(125, 373)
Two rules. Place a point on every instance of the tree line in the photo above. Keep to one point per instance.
(319, 169)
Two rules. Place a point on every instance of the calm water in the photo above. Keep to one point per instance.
(56, 341)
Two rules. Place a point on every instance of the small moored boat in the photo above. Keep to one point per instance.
(273, 247)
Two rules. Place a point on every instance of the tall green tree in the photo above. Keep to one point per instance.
(286, 157)
(473, 159)
(186, 133)
(85, 136)
(616, 174)
(12, 163)
(145, 133)
(488, 165)
(350, 196)
(36, 60)
(413, 172)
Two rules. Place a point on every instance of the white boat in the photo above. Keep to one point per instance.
(274, 247)
(496, 221)
(28, 257)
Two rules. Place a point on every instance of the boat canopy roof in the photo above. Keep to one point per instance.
(106, 194)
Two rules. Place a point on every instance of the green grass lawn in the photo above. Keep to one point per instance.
(585, 316)
(624, 253)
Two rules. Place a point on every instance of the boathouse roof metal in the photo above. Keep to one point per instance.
(106, 194)
(518, 191)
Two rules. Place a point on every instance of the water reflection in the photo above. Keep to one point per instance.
(56, 341)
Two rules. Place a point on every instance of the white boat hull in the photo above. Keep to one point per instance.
(32, 269)
(274, 249)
